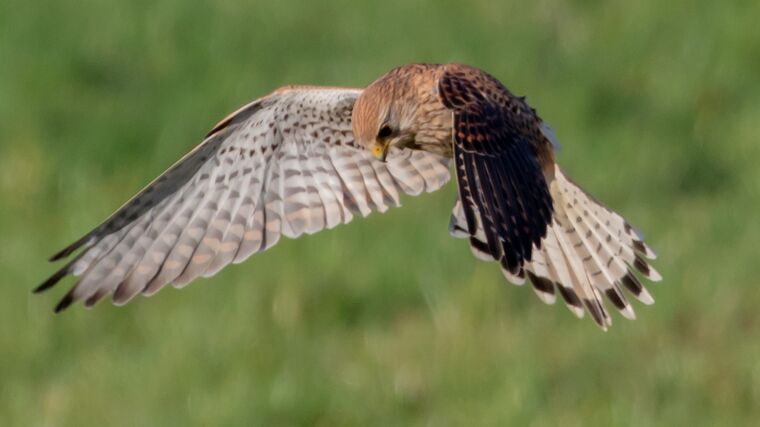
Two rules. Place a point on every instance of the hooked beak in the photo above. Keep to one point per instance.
(380, 150)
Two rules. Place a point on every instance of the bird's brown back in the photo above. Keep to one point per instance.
(518, 117)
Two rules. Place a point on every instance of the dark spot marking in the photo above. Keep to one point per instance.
(632, 283)
(616, 298)
(542, 284)
(641, 265)
(570, 297)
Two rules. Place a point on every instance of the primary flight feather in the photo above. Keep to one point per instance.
(307, 158)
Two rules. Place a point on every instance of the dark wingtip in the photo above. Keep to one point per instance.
(50, 282)
(64, 303)
(59, 255)
(68, 250)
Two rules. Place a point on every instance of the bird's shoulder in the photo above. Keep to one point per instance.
(488, 111)
(464, 87)
(328, 99)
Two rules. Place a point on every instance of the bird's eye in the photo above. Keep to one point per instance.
(384, 132)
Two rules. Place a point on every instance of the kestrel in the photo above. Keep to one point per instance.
(306, 158)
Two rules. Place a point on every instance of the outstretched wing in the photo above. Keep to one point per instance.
(283, 165)
(501, 182)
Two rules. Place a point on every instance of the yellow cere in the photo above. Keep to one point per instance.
(377, 151)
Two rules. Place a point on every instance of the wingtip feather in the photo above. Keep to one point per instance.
(64, 303)
(51, 281)
(68, 250)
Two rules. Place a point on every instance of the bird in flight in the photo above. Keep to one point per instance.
(306, 158)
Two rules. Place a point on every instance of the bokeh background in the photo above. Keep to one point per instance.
(386, 321)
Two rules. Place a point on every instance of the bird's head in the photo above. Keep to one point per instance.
(383, 117)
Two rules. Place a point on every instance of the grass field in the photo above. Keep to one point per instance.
(386, 321)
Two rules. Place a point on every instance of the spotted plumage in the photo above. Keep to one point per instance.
(305, 158)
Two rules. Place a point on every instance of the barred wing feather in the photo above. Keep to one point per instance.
(283, 165)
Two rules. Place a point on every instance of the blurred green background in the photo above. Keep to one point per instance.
(386, 321)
